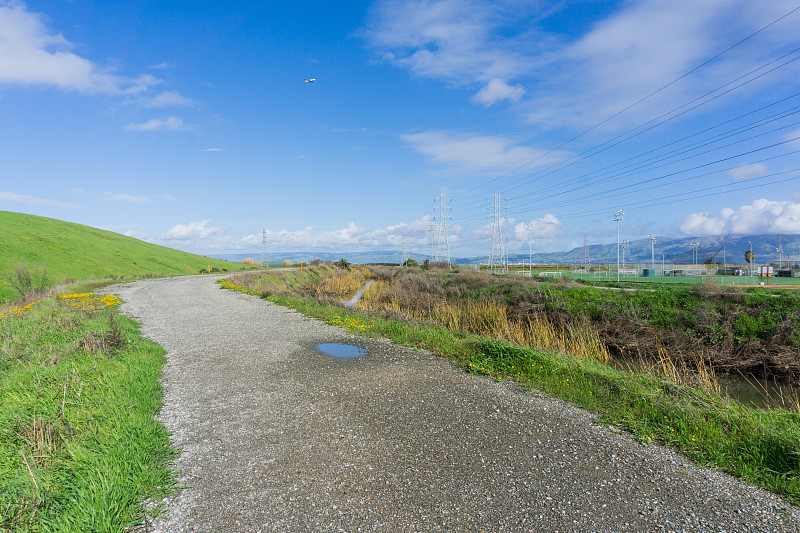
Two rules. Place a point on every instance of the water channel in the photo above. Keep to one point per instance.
(750, 391)
(354, 300)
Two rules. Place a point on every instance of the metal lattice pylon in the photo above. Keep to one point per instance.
(442, 243)
(264, 255)
(497, 253)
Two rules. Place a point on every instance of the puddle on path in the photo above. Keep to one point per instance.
(341, 350)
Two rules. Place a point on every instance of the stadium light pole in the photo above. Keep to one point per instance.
(653, 252)
(624, 245)
(617, 217)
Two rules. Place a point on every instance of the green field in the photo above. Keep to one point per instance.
(80, 449)
(73, 252)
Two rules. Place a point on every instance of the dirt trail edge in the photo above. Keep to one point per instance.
(276, 436)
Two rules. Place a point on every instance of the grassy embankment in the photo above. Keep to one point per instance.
(72, 252)
(668, 405)
(80, 449)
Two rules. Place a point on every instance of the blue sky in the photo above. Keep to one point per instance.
(188, 124)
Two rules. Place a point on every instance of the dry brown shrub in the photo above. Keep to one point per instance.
(340, 285)
(251, 261)
(108, 341)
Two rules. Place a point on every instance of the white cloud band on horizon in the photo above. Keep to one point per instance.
(200, 235)
(761, 216)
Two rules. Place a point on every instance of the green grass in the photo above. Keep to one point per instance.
(760, 446)
(80, 449)
(74, 252)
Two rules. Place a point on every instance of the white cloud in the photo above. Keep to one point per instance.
(761, 216)
(749, 171)
(31, 54)
(637, 49)
(199, 236)
(155, 124)
(32, 200)
(127, 198)
(794, 137)
(214, 150)
(547, 227)
(459, 41)
(168, 99)
(166, 196)
(472, 153)
(192, 231)
(163, 66)
(497, 90)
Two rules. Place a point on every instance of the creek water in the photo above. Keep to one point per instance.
(341, 350)
(760, 393)
(354, 300)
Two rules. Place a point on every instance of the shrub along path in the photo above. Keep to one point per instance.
(276, 436)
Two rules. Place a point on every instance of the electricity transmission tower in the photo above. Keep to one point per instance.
(404, 259)
(264, 256)
(431, 233)
(442, 244)
(497, 253)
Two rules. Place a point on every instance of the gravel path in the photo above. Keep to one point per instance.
(276, 436)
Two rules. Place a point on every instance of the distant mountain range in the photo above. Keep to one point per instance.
(728, 249)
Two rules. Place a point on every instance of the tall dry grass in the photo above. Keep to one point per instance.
(414, 298)
(339, 285)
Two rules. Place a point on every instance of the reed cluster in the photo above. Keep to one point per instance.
(488, 317)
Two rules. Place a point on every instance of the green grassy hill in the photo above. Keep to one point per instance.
(73, 252)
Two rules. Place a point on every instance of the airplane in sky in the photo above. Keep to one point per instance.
(310, 80)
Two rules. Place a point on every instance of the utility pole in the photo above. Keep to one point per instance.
(264, 256)
(442, 243)
(780, 250)
(404, 259)
(653, 252)
(617, 217)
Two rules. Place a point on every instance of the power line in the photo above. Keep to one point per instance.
(634, 104)
(632, 133)
(639, 171)
(661, 200)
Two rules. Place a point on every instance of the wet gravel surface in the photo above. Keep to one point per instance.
(276, 436)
